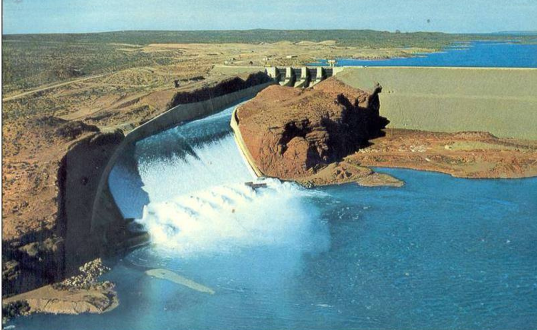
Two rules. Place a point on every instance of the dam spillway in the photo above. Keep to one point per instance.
(300, 77)
(197, 201)
(491, 99)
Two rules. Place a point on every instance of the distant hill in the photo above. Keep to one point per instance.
(360, 38)
(517, 33)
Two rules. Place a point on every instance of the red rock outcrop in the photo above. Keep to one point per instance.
(296, 133)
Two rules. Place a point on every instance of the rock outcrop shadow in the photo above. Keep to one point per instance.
(292, 133)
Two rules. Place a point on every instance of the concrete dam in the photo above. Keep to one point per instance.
(499, 101)
(300, 77)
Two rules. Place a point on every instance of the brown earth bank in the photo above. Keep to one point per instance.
(464, 154)
(304, 134)
(82, 293)
(332, 133)
(52, 167)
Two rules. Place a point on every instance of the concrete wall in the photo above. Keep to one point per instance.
(500, 101)
(82, 166)
(105, 211)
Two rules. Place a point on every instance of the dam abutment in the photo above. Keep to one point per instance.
(500, 101)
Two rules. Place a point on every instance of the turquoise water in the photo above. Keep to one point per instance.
(475, 54)
(438, 253)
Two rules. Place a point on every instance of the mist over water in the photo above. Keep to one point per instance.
(230, 218)
(208, 208)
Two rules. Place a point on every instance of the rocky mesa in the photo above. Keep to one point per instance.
(304, 134)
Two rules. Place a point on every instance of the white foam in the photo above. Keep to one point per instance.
(215, 163)
(200, 205)
(228, 218)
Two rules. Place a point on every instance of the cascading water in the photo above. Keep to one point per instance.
(197, 201)
(233, 216)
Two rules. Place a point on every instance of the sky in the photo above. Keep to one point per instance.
(454, 16)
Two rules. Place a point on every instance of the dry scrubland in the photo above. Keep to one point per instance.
(64, 89)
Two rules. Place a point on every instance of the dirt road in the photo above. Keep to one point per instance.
(14, 97)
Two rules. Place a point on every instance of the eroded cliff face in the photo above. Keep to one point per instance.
(224, 87)
(60, 166)
(293, 133)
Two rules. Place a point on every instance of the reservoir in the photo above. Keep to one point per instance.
(438, 253)
(472, 54)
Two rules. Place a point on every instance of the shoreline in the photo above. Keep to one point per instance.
(82, 293)
(472, 155)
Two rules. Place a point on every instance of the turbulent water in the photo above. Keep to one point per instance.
(199, 203)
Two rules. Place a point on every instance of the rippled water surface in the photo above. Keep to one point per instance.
(439, 253)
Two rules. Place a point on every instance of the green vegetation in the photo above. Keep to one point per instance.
(359, 38)
(34, 61)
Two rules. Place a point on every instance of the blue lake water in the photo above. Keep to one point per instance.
(438, 253)
(475, 54)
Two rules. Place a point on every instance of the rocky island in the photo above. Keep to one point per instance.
(82, 293)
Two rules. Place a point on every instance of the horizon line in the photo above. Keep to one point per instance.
(527, 32)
